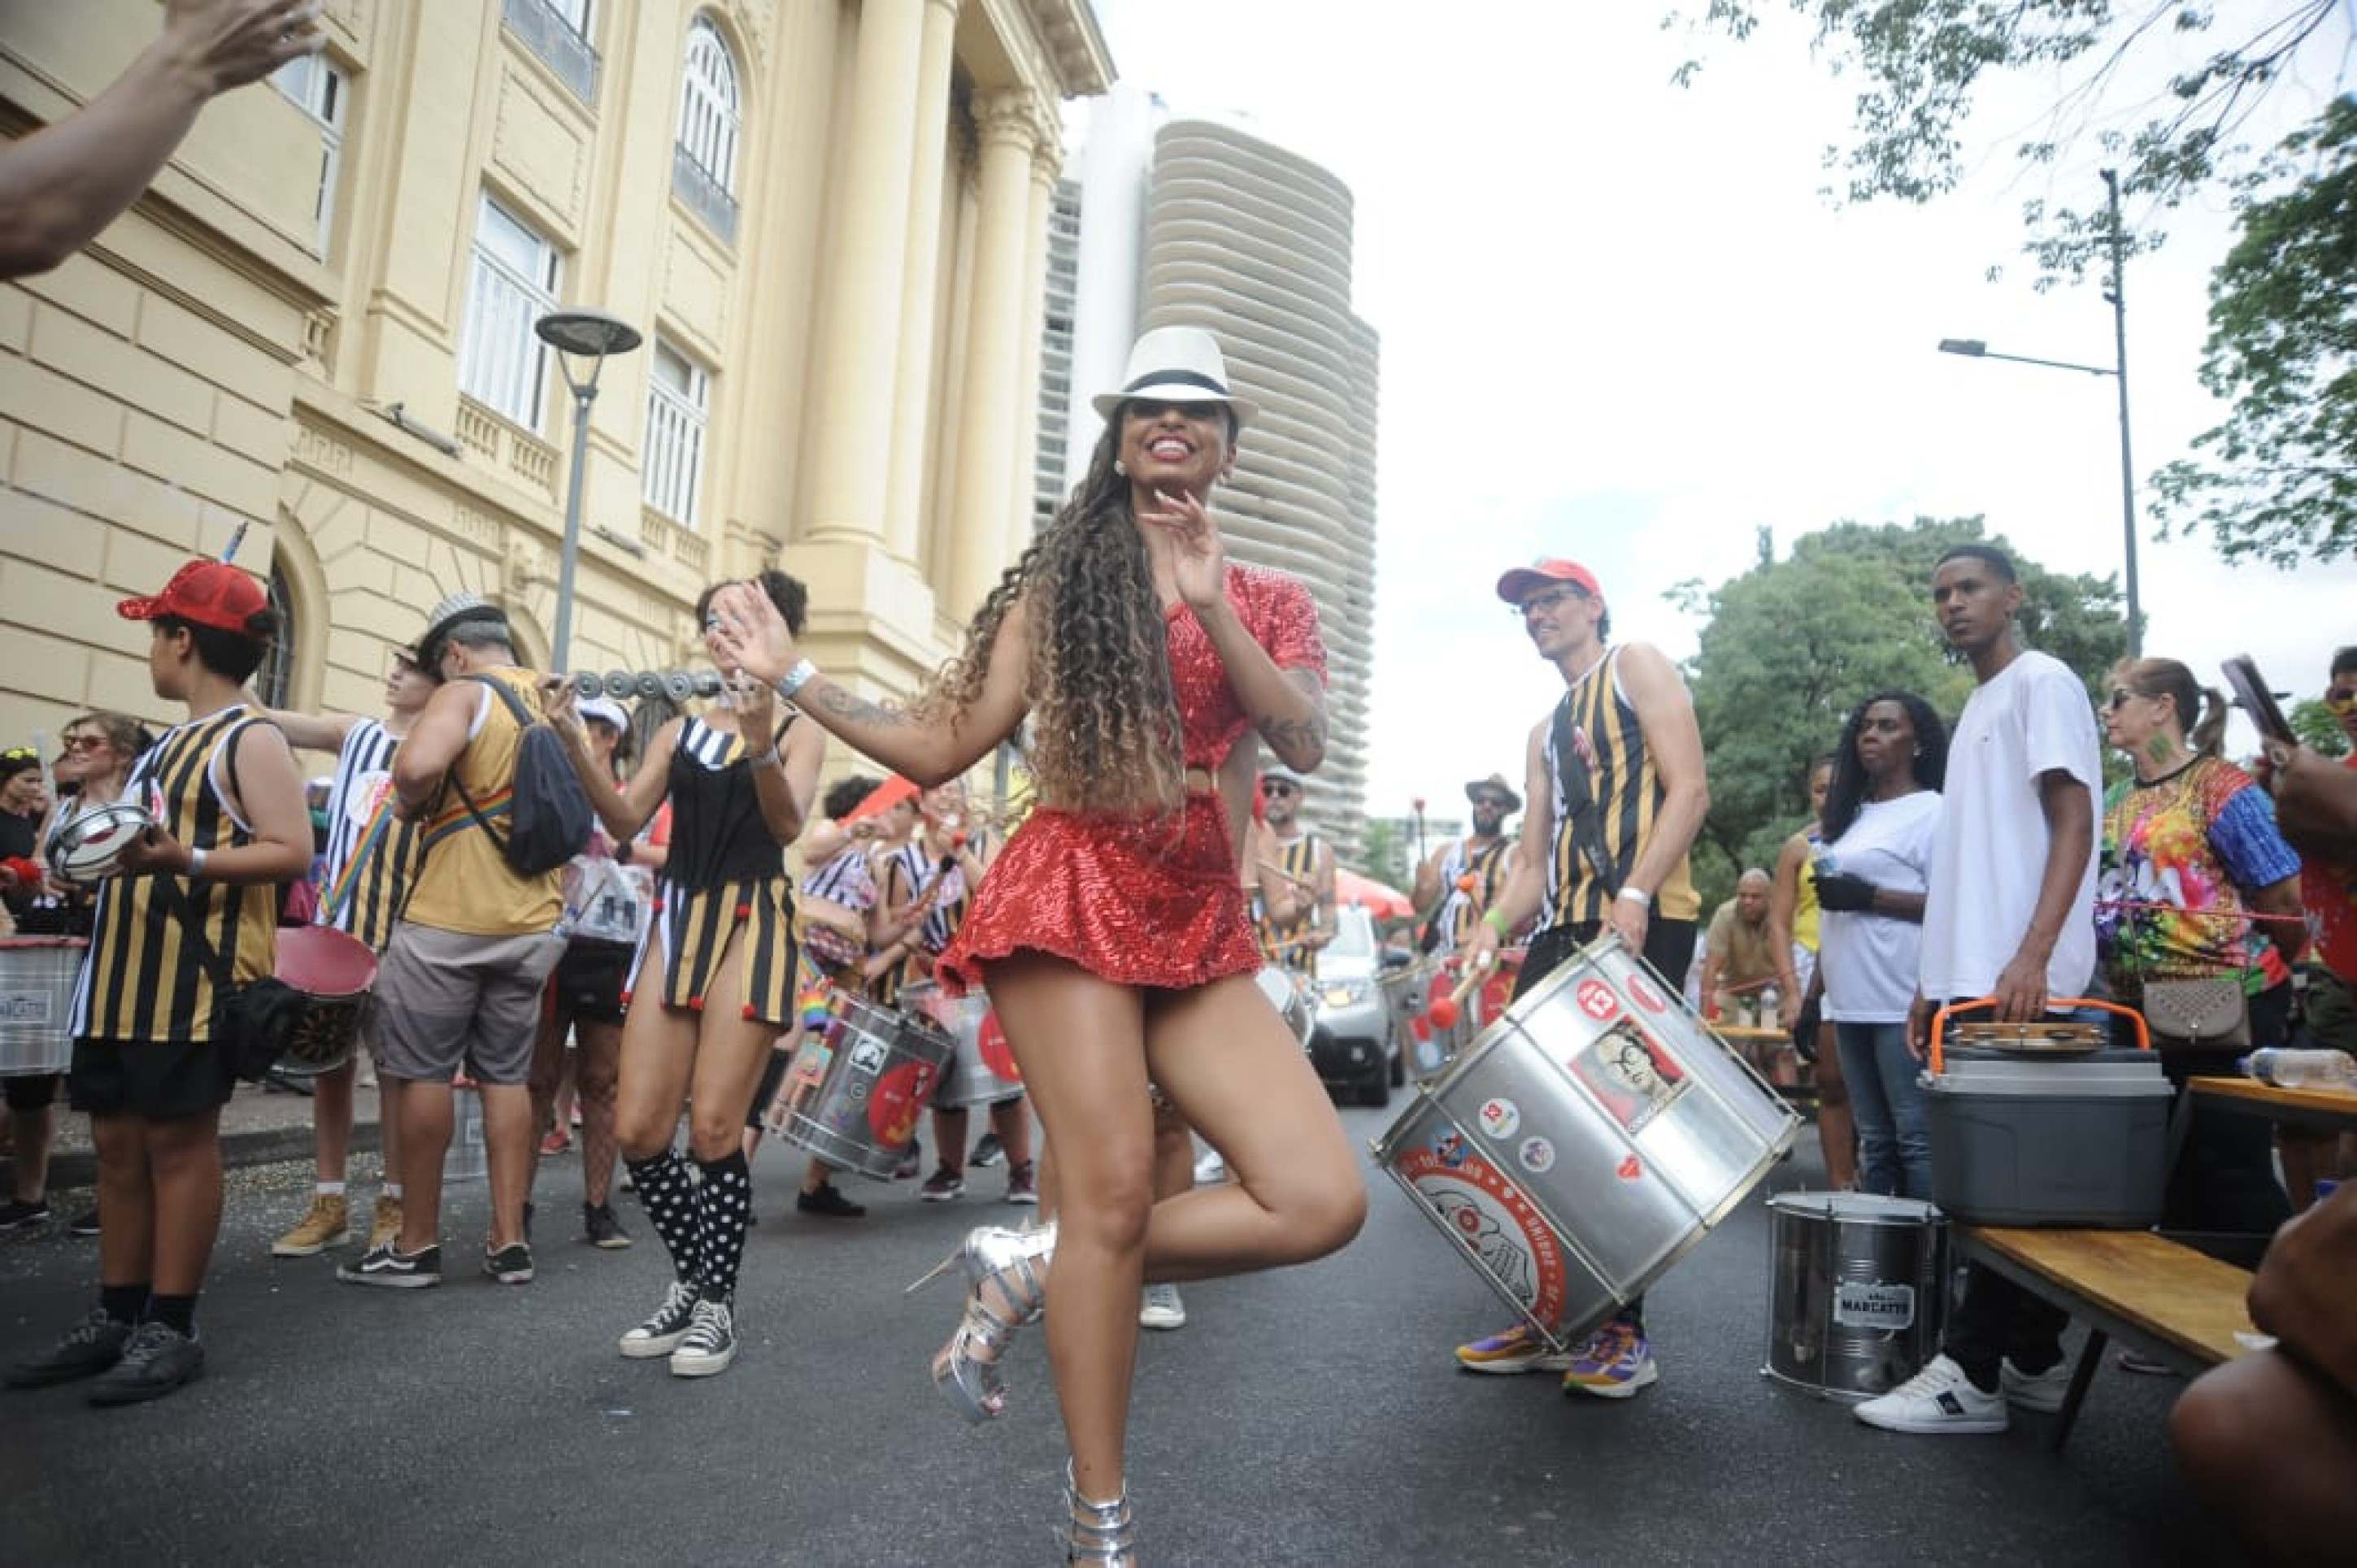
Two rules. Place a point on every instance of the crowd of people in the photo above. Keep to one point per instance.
(664, 962)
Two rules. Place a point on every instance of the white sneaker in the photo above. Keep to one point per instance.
(1940, 1398)
(2043, 1394)
(709, 1343)
(1162, 1309)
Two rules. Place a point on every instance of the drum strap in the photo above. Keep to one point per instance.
(1579, 801)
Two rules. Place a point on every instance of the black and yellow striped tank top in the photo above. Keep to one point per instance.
(145, 978)
(1625, 788)
(1296, 859)
(1487, 867)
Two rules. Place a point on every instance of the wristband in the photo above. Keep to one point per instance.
(1637, 895)
(767, 759)
(1493, 918)
(795, 678)
(196, 863)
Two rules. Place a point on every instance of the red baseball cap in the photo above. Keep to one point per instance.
(203, 593)
(1516, 585)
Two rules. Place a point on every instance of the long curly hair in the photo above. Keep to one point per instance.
(1846, 798)
(1104, 730)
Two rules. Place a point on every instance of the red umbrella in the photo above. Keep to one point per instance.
(1384, 903)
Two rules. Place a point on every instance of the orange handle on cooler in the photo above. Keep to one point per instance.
(1939, 1018)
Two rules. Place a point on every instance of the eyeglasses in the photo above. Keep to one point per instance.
(1275, 786)
(1541, 603)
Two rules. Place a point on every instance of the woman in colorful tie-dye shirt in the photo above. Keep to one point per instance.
(2198, 882)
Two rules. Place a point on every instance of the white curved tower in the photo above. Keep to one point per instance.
(1253, 243)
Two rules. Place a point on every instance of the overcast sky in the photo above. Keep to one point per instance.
(1621, 323)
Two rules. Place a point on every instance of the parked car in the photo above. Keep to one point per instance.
(1354, 1045)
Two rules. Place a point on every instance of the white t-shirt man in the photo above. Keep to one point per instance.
(2031, 718)
(1871, 962)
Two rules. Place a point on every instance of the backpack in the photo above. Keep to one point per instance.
(549, 819)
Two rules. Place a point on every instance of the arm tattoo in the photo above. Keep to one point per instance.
(841, 702)
(1292, 738)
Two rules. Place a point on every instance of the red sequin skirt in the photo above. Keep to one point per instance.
(1135, 901)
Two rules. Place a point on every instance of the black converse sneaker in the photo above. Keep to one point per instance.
(709, 1343)
(510, 1265)
(660, 1335)
(87, 1348)
(389, 1265)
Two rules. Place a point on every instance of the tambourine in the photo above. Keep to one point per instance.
(679, 685)
(88, 847)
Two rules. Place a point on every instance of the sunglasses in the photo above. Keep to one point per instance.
(1277, 787)
(2120, 698)
(1539, 604)
(2340, 704)
(1493, 802)
(85, 742)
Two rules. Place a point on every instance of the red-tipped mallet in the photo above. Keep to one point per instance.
(1467, 882)
(1451, 1007)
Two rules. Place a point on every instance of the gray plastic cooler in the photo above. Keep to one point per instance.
(2078, 1141)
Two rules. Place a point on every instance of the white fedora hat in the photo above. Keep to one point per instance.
(1177, 364)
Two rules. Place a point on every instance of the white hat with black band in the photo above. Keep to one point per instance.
(1177, 364)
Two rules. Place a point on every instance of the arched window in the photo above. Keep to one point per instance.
(710, 109)
(273, 683)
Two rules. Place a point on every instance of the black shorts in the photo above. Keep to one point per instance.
(588, 981)
(31, 1090)
(158, 1079)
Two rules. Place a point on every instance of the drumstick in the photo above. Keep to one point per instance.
(1303, 882)
(1451, 1007)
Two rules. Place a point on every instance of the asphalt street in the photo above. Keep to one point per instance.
(1310, 1416)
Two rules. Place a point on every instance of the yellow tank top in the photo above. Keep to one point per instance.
(466, 884)
(1804, 896)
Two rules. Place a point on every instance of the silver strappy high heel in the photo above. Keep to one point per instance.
(1098, 1532)
(1006, 1287)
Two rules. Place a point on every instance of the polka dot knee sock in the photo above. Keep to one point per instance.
(667, 1192)
(724, 1209)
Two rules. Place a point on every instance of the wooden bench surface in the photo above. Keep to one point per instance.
(2266, 1096)
(2171, 1292)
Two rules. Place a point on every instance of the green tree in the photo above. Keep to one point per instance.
(2279, 478)
(1793, 645)
(1384, 855)
(2316, 728)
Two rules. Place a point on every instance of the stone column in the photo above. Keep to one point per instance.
(990, 411)
(1047, 161)
(859, 361)
(920, 285)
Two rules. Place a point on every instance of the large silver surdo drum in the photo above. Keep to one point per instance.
(1859, 1290)
(983, 1071)
(1586, 1141)
(878, 1076)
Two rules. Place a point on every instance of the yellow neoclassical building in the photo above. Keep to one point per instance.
(828, 218)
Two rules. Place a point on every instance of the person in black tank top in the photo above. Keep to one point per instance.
(152, 1053)
(713, 985)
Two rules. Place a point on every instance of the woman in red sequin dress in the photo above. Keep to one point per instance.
(1111, 932)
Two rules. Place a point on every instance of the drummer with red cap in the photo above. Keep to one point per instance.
(1614, 779)
(191, 915)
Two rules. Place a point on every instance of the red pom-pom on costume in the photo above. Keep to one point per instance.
(744, 911)
(1466, 884)
(695, 1003)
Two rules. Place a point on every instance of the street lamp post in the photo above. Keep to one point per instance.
(2116, 296)
(593, 335)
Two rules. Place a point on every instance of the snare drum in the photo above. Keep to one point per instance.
(88, 846)
(334, 971)
(983, 1072)
(881, 1069)
(37, 987)
(1586, 1141)
(1859, 1290)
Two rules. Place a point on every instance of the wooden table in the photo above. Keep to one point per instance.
(2325, 1109)
(2179, 1306)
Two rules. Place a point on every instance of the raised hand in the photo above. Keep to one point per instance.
(746, 632)
(557, 703)
(223, 44)
(1199, 558)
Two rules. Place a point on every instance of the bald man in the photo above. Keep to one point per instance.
(1739, 956)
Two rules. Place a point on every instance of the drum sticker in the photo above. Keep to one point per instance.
(1595, 1000)
(1864, 1304)
(1628, 1169)
(997, 1055)
(1492, 1217)
(1502, 1119)
(1644, 995)
(1448, 1148)
(1537, 1155)
(900, 1098)
(1631, 1076)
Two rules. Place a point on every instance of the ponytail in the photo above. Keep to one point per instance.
(2208, 737)
(2201, 709)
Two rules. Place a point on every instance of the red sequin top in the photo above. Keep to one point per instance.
(1141, 901)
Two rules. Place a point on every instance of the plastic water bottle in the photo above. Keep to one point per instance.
(2303, 1069)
